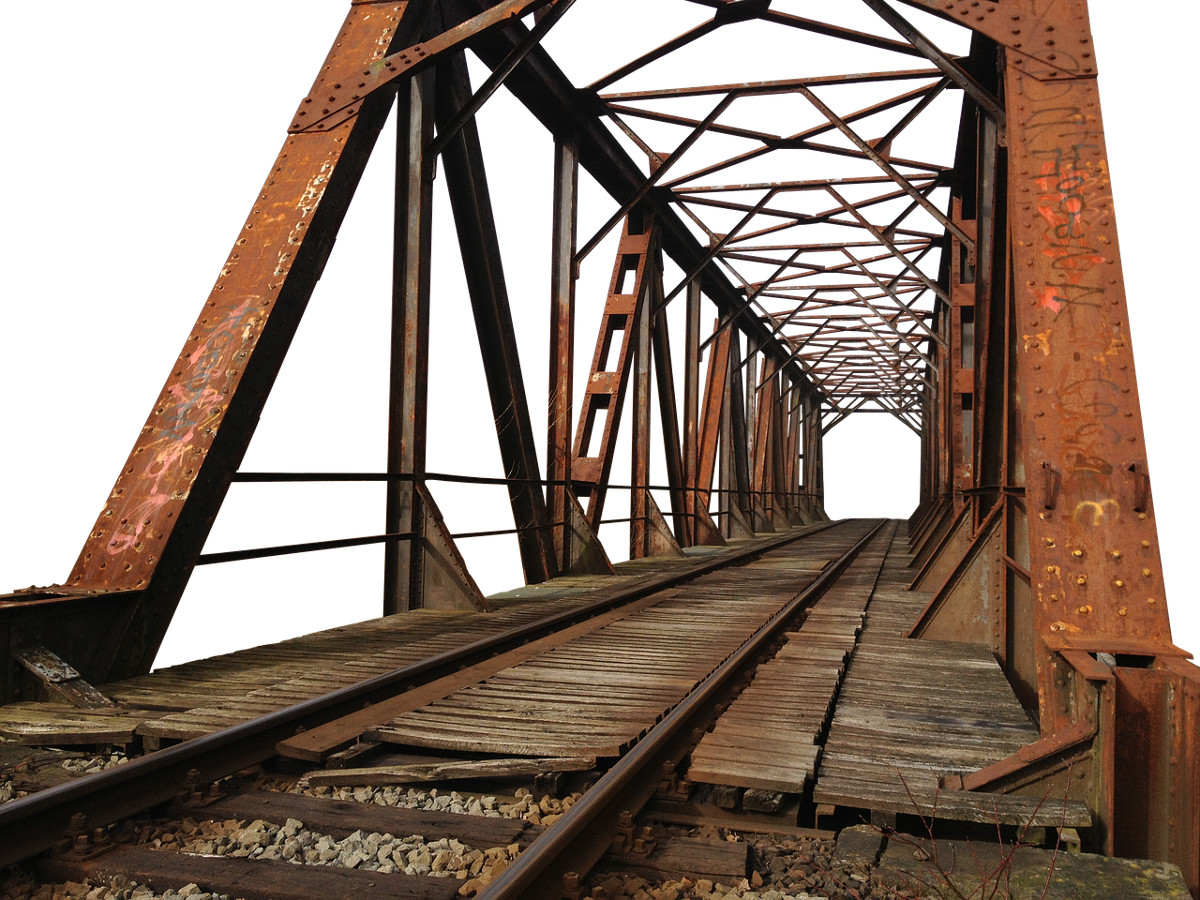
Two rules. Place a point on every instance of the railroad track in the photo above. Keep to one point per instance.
(621, 689)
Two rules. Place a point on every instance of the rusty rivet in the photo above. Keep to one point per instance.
(1084, 610)
(1049, 542)
(1116, 554)
(1145, 544)
(1122, 611)
(1147, 573)
(1077, 553)
(1081, 580)
(1118, 583)
(1141, 517)
(1050, 569)
(1149, 599)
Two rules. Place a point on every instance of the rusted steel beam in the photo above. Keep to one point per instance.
(980, 94)
(150, 532)
(466, 181)
(763, 475)
(814, 475)
(710, 425)
(736, 416)
(1082, 532)
(604, 395)
(1092, 535)
(562, 346)
(691, 407)
(542, 87)
(668, 411)
(334, 101)
(407, 407)
(640, 526)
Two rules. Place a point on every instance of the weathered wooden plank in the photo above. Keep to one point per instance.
(693, 858)
(340, 818)
(788, 779)
(315, 743)
(959, 806)
(252, 879)
(506, 767)
(516, 742)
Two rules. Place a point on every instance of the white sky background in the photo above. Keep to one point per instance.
(136, 137)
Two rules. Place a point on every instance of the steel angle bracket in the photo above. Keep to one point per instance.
(329, 105)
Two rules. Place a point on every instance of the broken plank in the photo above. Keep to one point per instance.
(60, 678)
(451, 771)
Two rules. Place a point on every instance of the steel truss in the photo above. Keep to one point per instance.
(972, 292)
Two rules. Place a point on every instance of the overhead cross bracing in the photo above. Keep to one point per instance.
(283, 36)
(810, 191)
(991, 490)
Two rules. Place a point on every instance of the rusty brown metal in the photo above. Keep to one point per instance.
(483, 266)
(562, 347)
(979, 302)
(403, 577)
(714, 394)
(150, 532)
(604, 394)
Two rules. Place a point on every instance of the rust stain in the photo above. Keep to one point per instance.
(1039, 341)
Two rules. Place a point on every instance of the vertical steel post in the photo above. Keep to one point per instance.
(691, 404)
(794, 448)
(814, 479)
(739, 433)
(727, 500)
(639, 526)
(762, 475)
(470, 199)
(668, 414)
(562, 343)
(402, 577)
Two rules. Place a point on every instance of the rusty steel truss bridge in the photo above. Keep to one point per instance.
(920, 227)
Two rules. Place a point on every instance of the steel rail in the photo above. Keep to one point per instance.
(30, 825)
(583, 834)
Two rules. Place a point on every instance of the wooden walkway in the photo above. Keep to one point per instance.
(196, 698)
(877, 716)
(910, 711)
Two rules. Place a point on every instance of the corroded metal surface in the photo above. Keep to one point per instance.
(970, 287)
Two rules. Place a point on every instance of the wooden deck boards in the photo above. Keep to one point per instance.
(562, 703)
(199, 697)
(913, 710)
(907, 711)
(767, 739)
(309, 667)
(196, 698)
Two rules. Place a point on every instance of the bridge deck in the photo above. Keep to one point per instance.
(597, 694)
(910, 711)
(874, 716)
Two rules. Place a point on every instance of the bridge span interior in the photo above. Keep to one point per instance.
(757, 219)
